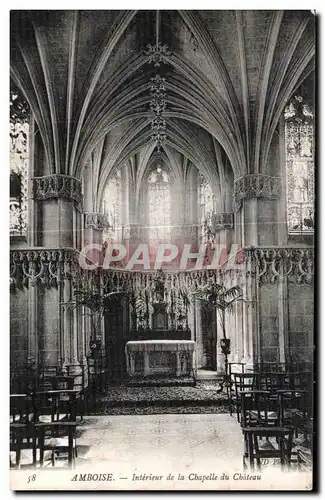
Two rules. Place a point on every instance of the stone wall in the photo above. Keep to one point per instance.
(269, 322)
(19, 329)
(301, 321)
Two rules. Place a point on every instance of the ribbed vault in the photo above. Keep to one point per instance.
(228, 74)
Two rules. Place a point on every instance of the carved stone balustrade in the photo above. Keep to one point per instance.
(50, 266)
(47, 267)
(268, 264)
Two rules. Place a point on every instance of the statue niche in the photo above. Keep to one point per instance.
(159, 317)
(159, 306)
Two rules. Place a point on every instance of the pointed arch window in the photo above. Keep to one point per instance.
(112, 206)
(159, 201)
(206, 207)
(19, 153)
(299, 147)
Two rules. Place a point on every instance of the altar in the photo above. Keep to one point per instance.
(170, 358)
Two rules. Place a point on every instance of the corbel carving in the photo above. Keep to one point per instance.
(96, 220)
(256, 186)
(57, 186)
(223, 220)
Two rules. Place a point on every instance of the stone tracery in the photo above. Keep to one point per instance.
(299, 135)
(204, 116)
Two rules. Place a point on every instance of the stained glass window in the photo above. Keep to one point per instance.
(299, 141)
(206, 208)
(159, 199)
(112, 207)
(19, 131)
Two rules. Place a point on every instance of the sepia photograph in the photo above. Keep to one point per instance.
(162, 247)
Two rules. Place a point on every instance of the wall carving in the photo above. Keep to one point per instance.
(132, 231)
(256, 186)
(188, 231)
(214, 223)
(57, 186)
(224, 220)
(51, 266)
(269, 264)
(96, 220)
(194, 44)
(47, 267)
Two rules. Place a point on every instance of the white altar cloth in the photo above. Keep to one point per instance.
(160, 357)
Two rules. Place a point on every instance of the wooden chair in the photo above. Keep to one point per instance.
(56, 424)
(22, 432)
(304, 459)
(79, 381)
(258, 409)
(243, 382)
(305, 453)
(46, 375)
(230, 386)
(270, 366)
(274, 381)
(304, 380)
(282, 450)
(295, 409)
(23, 383)
(57, 437)
(62, 382)
(260, 421)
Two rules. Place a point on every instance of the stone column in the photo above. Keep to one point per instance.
(59, 204)
(81, 341)
(283, 316)
(132, 363)
(33, 346)
(199, 338)
(219, 353)
(223, 220)
(191, 197)
(94, 225)
(255, 198)
(145, 363)
(184, 230)
(132, 230)
(59, 211)
(223, 225)
(178, 364)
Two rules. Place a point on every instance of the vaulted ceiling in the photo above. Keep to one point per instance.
(228, 76)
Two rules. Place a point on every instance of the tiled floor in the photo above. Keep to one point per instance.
(181, 439)
(200, 451)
